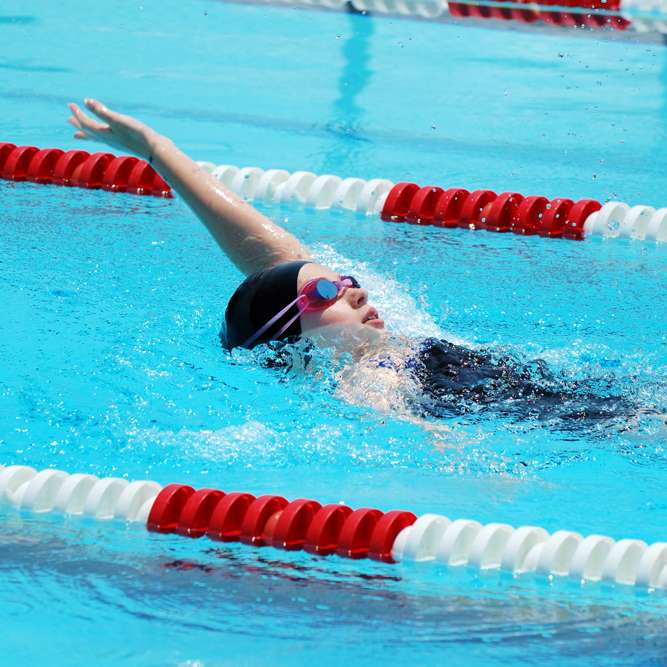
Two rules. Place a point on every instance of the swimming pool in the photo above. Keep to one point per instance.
(112, 303)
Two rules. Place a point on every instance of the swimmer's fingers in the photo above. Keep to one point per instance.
(79, 134)
(104, 113)
(118, 130)
(85, 124)
(116, 122)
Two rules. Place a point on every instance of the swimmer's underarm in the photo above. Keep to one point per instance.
(251, 240)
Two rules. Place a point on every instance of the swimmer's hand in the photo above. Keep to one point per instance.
(117, 130)
(250, 239)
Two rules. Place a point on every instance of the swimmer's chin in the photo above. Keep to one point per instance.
(349, 337)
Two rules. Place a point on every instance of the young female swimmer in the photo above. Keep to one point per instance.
(287, 295)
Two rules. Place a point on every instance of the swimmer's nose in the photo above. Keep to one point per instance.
(357, 296)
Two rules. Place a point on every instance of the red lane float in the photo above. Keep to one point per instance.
(65, 167)
(386, 530)
(52, 166)
(195, 515)
(166, 510)
(260, 519)
(293, 524)
(354, 540)
(553, 17)
(324, 529)
(484, 209)
(274, 521)
(227, 517)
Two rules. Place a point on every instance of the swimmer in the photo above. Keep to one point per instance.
(280, 269)
(287, 296)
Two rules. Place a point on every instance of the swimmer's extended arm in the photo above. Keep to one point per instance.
(250, 239)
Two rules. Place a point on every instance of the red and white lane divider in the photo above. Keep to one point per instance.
(305, 524)
(80, 169)
(394, 202)
(591, 14)
(449, 208)
(436, 8)
(421, 8)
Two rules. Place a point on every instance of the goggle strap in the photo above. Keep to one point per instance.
(276, 317)
(338, 286)
(347, 281)
(288, 324)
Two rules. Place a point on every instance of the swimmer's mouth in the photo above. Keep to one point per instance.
(372, 318)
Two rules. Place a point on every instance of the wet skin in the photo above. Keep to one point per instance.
(351, 308)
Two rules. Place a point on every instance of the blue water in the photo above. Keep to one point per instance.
(110, 360)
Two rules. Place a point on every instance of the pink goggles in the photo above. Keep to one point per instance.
(316, 294)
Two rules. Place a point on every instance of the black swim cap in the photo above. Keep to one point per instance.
(257, 299)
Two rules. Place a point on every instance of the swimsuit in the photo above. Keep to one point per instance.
(456, 381)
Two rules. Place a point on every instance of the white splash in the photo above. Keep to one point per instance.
(396, 304)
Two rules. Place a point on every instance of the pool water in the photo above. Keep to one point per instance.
(111, 364)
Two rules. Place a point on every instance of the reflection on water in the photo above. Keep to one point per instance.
(197, 596)
(17, 20)
(347, 115)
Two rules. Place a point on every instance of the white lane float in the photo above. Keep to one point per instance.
(430, 538)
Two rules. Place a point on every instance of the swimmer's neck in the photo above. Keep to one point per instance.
(362, 344)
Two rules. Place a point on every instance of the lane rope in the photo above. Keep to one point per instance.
(447, 208)
(393, 202)
(592, 14)
(326, 529)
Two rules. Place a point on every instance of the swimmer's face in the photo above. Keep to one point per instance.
(350, 310)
